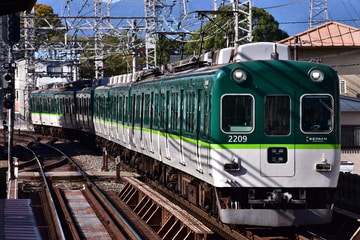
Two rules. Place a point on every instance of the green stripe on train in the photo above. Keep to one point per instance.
(230, 146)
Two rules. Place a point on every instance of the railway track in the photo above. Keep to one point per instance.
(81, 212)
(79, 190)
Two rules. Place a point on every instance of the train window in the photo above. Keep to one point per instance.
(162, 109)
(237, 113)
(317, 113)
(277, 115)
(190, 112)
(121, 109)
(125, 110)
(207, 113)
(45, 105)
(174, 115)
(138, 109)
(147, 110)
(102, 107)
(51, 105)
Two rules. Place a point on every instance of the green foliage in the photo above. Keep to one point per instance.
(166, 47)
(116, 61)
(218, 32)
(265, 27)
(48, 17)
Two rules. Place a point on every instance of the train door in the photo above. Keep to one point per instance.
(65, 110)
(199, 127)
(156, 124)
(181, 130)
(277, 145)
(125, 130)
(118, 116)
(203, 138)
(78, 113)
(151, 123)
(142, 112)
(132, 119)
(72, 111)
(121, 125)
(167, 122)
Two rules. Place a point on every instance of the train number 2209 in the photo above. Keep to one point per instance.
(237, 139)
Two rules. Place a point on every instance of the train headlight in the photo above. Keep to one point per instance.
(316, 75)
(239, 75)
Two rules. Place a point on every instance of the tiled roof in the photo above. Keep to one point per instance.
(330, 34)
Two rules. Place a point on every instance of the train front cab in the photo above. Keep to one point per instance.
(273, 168)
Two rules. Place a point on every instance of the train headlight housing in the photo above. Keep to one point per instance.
(316, 75)
(323, 167)
(239, 75)
(232, 167)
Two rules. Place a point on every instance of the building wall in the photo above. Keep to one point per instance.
(20, 84)
(350, 118)
(346, 61)
(41, 77)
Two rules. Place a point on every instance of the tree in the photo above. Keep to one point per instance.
(47, 19)
(218, 32)
(265, 27)
(118, 53)
(166, 47)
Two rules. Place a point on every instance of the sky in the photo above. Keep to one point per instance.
(292, 15)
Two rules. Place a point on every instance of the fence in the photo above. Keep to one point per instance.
(350, 137)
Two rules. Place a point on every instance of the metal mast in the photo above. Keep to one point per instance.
(98, 36)
(241, 7)
(318, 13)
(29, 45)
(150, 37)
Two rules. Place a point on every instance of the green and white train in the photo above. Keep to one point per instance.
(255, 142)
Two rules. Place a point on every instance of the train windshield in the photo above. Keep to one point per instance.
(317, 113)
(277, 115)
(237, 113)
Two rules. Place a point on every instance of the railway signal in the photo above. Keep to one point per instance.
(8, 88)
(8, 83)
(11, 28)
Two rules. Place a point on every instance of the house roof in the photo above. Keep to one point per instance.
(349, 104)
(330, 34)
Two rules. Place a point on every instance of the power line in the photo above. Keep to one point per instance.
(335, 20)
(283, 5)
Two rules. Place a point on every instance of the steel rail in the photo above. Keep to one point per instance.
(129, 230)
(58, 227)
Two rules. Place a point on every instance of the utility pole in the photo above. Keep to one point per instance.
(11, 35)
(30, 38)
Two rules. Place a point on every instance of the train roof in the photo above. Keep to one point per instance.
(64, 87)
(208, 62)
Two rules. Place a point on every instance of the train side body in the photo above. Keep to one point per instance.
(59, 107)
